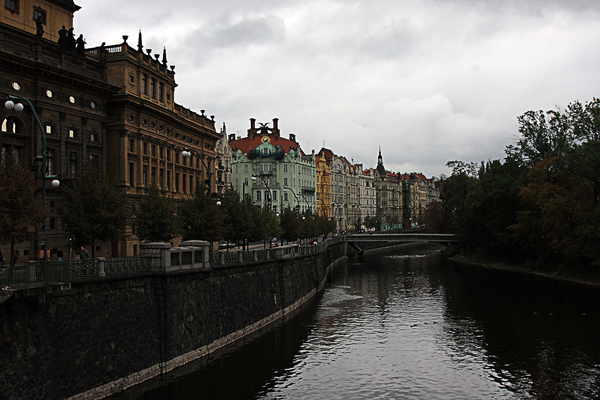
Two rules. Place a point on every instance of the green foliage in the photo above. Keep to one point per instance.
(238, 217)
(434, 218)
(543, 200)
(95, 210)
(372, 222)
(200, 218)
(19, 205)
(155, 217)
(290, 224)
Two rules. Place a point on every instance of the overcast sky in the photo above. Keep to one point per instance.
(427, 81)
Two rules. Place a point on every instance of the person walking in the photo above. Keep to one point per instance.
(59, 254)
(84, 253)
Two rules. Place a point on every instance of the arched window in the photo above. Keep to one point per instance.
(12, 125)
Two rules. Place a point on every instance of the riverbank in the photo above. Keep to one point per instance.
(581, 276)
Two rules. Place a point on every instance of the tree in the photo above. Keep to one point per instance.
(201, 218)
(434, 217)
(543, 135)
(95, 209)
(155, 217)
(19, 205)
(558, 206)
(290, 224)
(238, 218)
(372, 222)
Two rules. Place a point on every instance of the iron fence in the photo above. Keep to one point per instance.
(40, 273)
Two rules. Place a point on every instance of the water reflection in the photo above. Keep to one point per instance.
(413, 327)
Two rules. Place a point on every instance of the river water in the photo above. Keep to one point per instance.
(411, 326)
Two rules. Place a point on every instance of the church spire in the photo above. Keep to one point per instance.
(164, 60)
(380, 167)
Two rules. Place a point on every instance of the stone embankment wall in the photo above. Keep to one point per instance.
(96, 338)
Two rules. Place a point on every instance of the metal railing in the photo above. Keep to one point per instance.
(40, 273)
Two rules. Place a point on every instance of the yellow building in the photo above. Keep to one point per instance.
(323, 186)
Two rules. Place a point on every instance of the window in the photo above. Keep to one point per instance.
(72, 133)
(39, 12)
(131, 79)
(246, 168)
(191, 184)
(144, 84)
(145, 176)
(132, 145)
(49, 130)
(285, 168)
(152, 88)
(153, 150)
(94, 159)
(153, 176)
(168, 180)
(285, 196)
(131, 174)
(12, 6)
(145, 148)
(16, 151)
(177, 181)
(72, 164)
(160, 91)
(258, 195)
(274, 196)
(93, 137)
(50, 159)
(183, 183)
(285, 182)
(11, 125)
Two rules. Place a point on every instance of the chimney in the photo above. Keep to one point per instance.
(231, 137)
(292, 137)
(252, 129)
(275, 129)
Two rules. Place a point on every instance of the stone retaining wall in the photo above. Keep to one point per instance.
(96, 338)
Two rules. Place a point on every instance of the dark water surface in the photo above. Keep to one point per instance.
(413, 327)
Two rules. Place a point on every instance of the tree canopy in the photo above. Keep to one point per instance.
(155, 217)
(20, 206)
(542, 201)
(95, 209)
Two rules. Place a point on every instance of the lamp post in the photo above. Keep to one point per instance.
(11, 105)
(187, 152)
(285, 188)
(267, 185)
(297, 198)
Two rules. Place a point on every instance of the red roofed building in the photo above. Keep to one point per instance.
(273, 170)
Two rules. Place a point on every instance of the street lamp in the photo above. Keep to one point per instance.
(285, 188)
(297, 198)
(187, 152)
(11, 105)
(267, 185)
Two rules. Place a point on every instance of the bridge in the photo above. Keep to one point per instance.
(362, 242)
